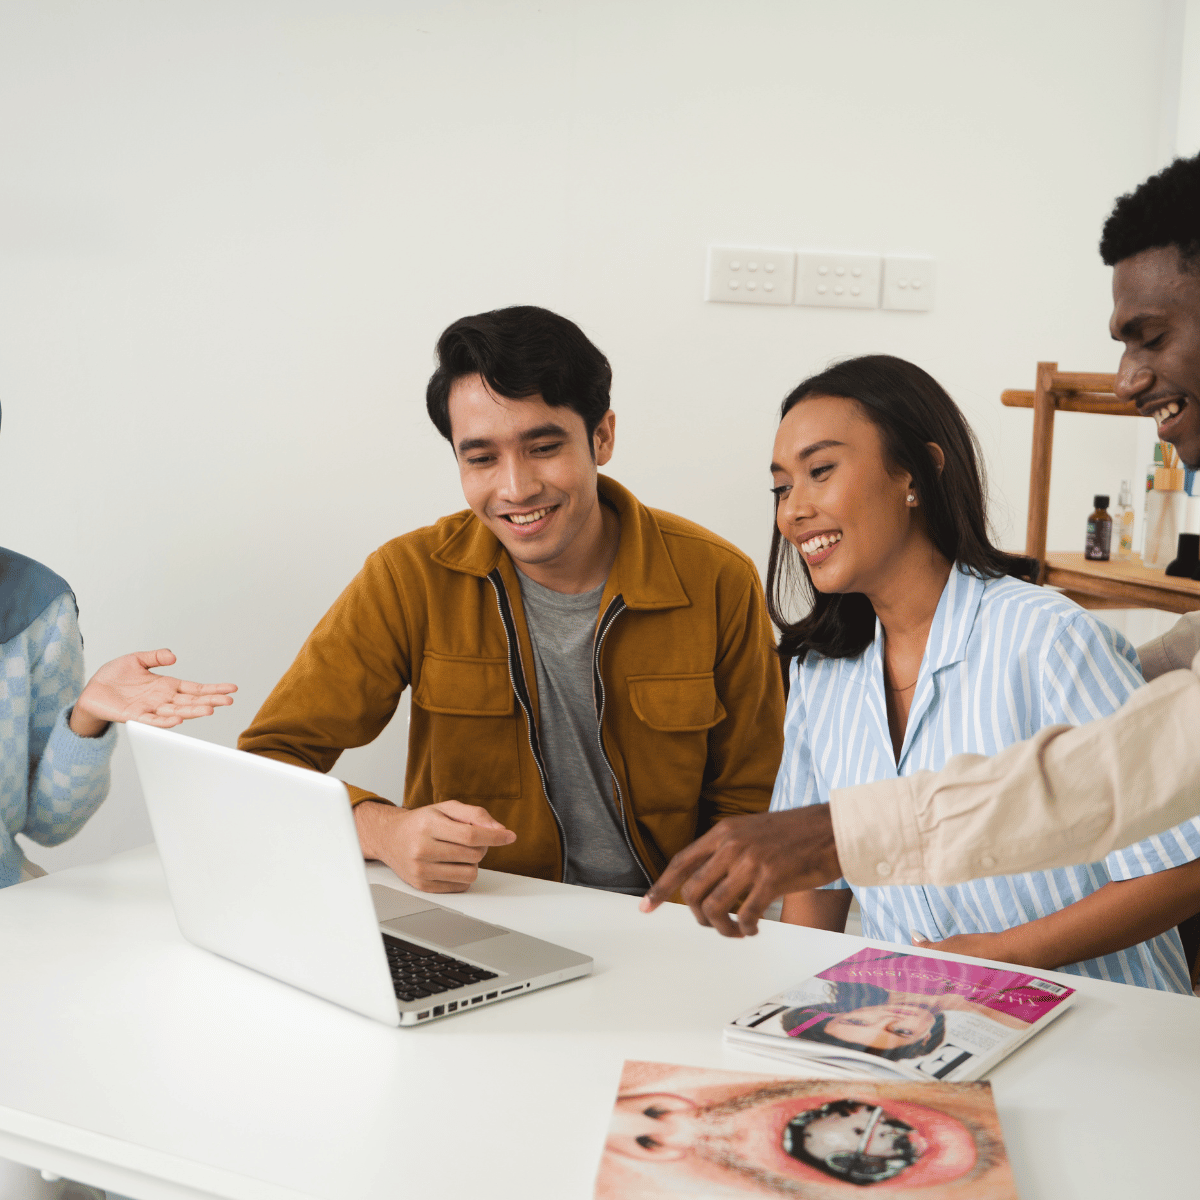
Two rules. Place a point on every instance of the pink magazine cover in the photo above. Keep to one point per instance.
(903, 1015)
(699, 1133)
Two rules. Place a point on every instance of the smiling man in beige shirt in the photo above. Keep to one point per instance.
(1068, 795)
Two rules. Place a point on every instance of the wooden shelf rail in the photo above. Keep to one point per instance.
(1092, 584)
(1057, 391)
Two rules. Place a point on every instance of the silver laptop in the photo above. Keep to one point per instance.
(263, 867)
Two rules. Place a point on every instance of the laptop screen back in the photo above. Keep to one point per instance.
(263, 866)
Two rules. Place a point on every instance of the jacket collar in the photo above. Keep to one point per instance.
(643, 571)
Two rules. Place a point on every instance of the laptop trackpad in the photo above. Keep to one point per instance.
(444, 927)
(392, 902)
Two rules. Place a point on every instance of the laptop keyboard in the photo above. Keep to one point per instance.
(418, 972)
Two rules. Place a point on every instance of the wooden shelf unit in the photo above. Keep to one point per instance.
(1091, 584)
(1119, 584)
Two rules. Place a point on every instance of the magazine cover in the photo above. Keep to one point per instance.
(692, 1132)
(896, 1015)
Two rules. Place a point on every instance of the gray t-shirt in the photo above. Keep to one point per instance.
(562, 628)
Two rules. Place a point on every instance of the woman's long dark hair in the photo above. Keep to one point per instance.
(909, 408)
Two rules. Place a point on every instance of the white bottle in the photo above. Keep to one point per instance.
(1154, 466)
(1122, 540)
(1166, 511)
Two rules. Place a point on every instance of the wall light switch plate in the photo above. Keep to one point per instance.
(837, 280)
(750, 275)
(908, 283)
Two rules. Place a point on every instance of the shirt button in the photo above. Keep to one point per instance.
(987, 861)
(883, 868)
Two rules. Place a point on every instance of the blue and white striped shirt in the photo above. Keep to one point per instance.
(1003, 660)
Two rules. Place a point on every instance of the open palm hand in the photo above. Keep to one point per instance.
(126, 689)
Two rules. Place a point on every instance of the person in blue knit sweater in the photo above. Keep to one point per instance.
(56, 735)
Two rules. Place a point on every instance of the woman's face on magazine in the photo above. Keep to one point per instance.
(883, 1026)
(770, 1138)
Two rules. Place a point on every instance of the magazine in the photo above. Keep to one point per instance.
(700, 1133)
(892, 1015)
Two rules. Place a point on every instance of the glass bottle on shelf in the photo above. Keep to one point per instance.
(1155, 463)
(1165, 513)
(1099, 532)
(1122, 547)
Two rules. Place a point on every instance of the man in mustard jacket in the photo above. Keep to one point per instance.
(594, 682)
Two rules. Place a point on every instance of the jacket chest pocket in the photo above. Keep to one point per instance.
(676, 703)
(474, 731)
(676, 711)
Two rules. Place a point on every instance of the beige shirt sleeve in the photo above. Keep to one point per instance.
(1067, 795)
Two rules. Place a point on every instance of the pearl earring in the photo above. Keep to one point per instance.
(911, 498)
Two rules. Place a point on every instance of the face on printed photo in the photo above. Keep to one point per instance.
(883, 1026)
(815, 1138)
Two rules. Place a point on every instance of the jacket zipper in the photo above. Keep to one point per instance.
(615, 609)
(516, 670)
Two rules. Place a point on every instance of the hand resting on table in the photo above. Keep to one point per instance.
(436, 848)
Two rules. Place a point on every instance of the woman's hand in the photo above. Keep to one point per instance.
(997, 946)
(1120, 914)
(127, 690)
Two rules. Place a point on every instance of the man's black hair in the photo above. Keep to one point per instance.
(520, 352)
(1163, 211)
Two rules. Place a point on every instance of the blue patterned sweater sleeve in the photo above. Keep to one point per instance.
(51, 780)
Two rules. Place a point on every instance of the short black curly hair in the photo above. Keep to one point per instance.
(1163, 211)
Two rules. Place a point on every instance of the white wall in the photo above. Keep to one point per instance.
(1187, 124)
(231, 232)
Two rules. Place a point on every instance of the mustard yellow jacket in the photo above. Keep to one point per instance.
(688, 689)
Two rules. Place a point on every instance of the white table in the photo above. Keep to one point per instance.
(134, 1061)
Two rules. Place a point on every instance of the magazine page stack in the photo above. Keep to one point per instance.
(891, 1015)
(694, 1132)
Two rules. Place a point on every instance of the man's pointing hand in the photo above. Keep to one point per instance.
(743, 863)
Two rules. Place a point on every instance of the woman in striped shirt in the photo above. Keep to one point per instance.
(925, 641)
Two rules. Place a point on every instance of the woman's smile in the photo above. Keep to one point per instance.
(818, 547)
